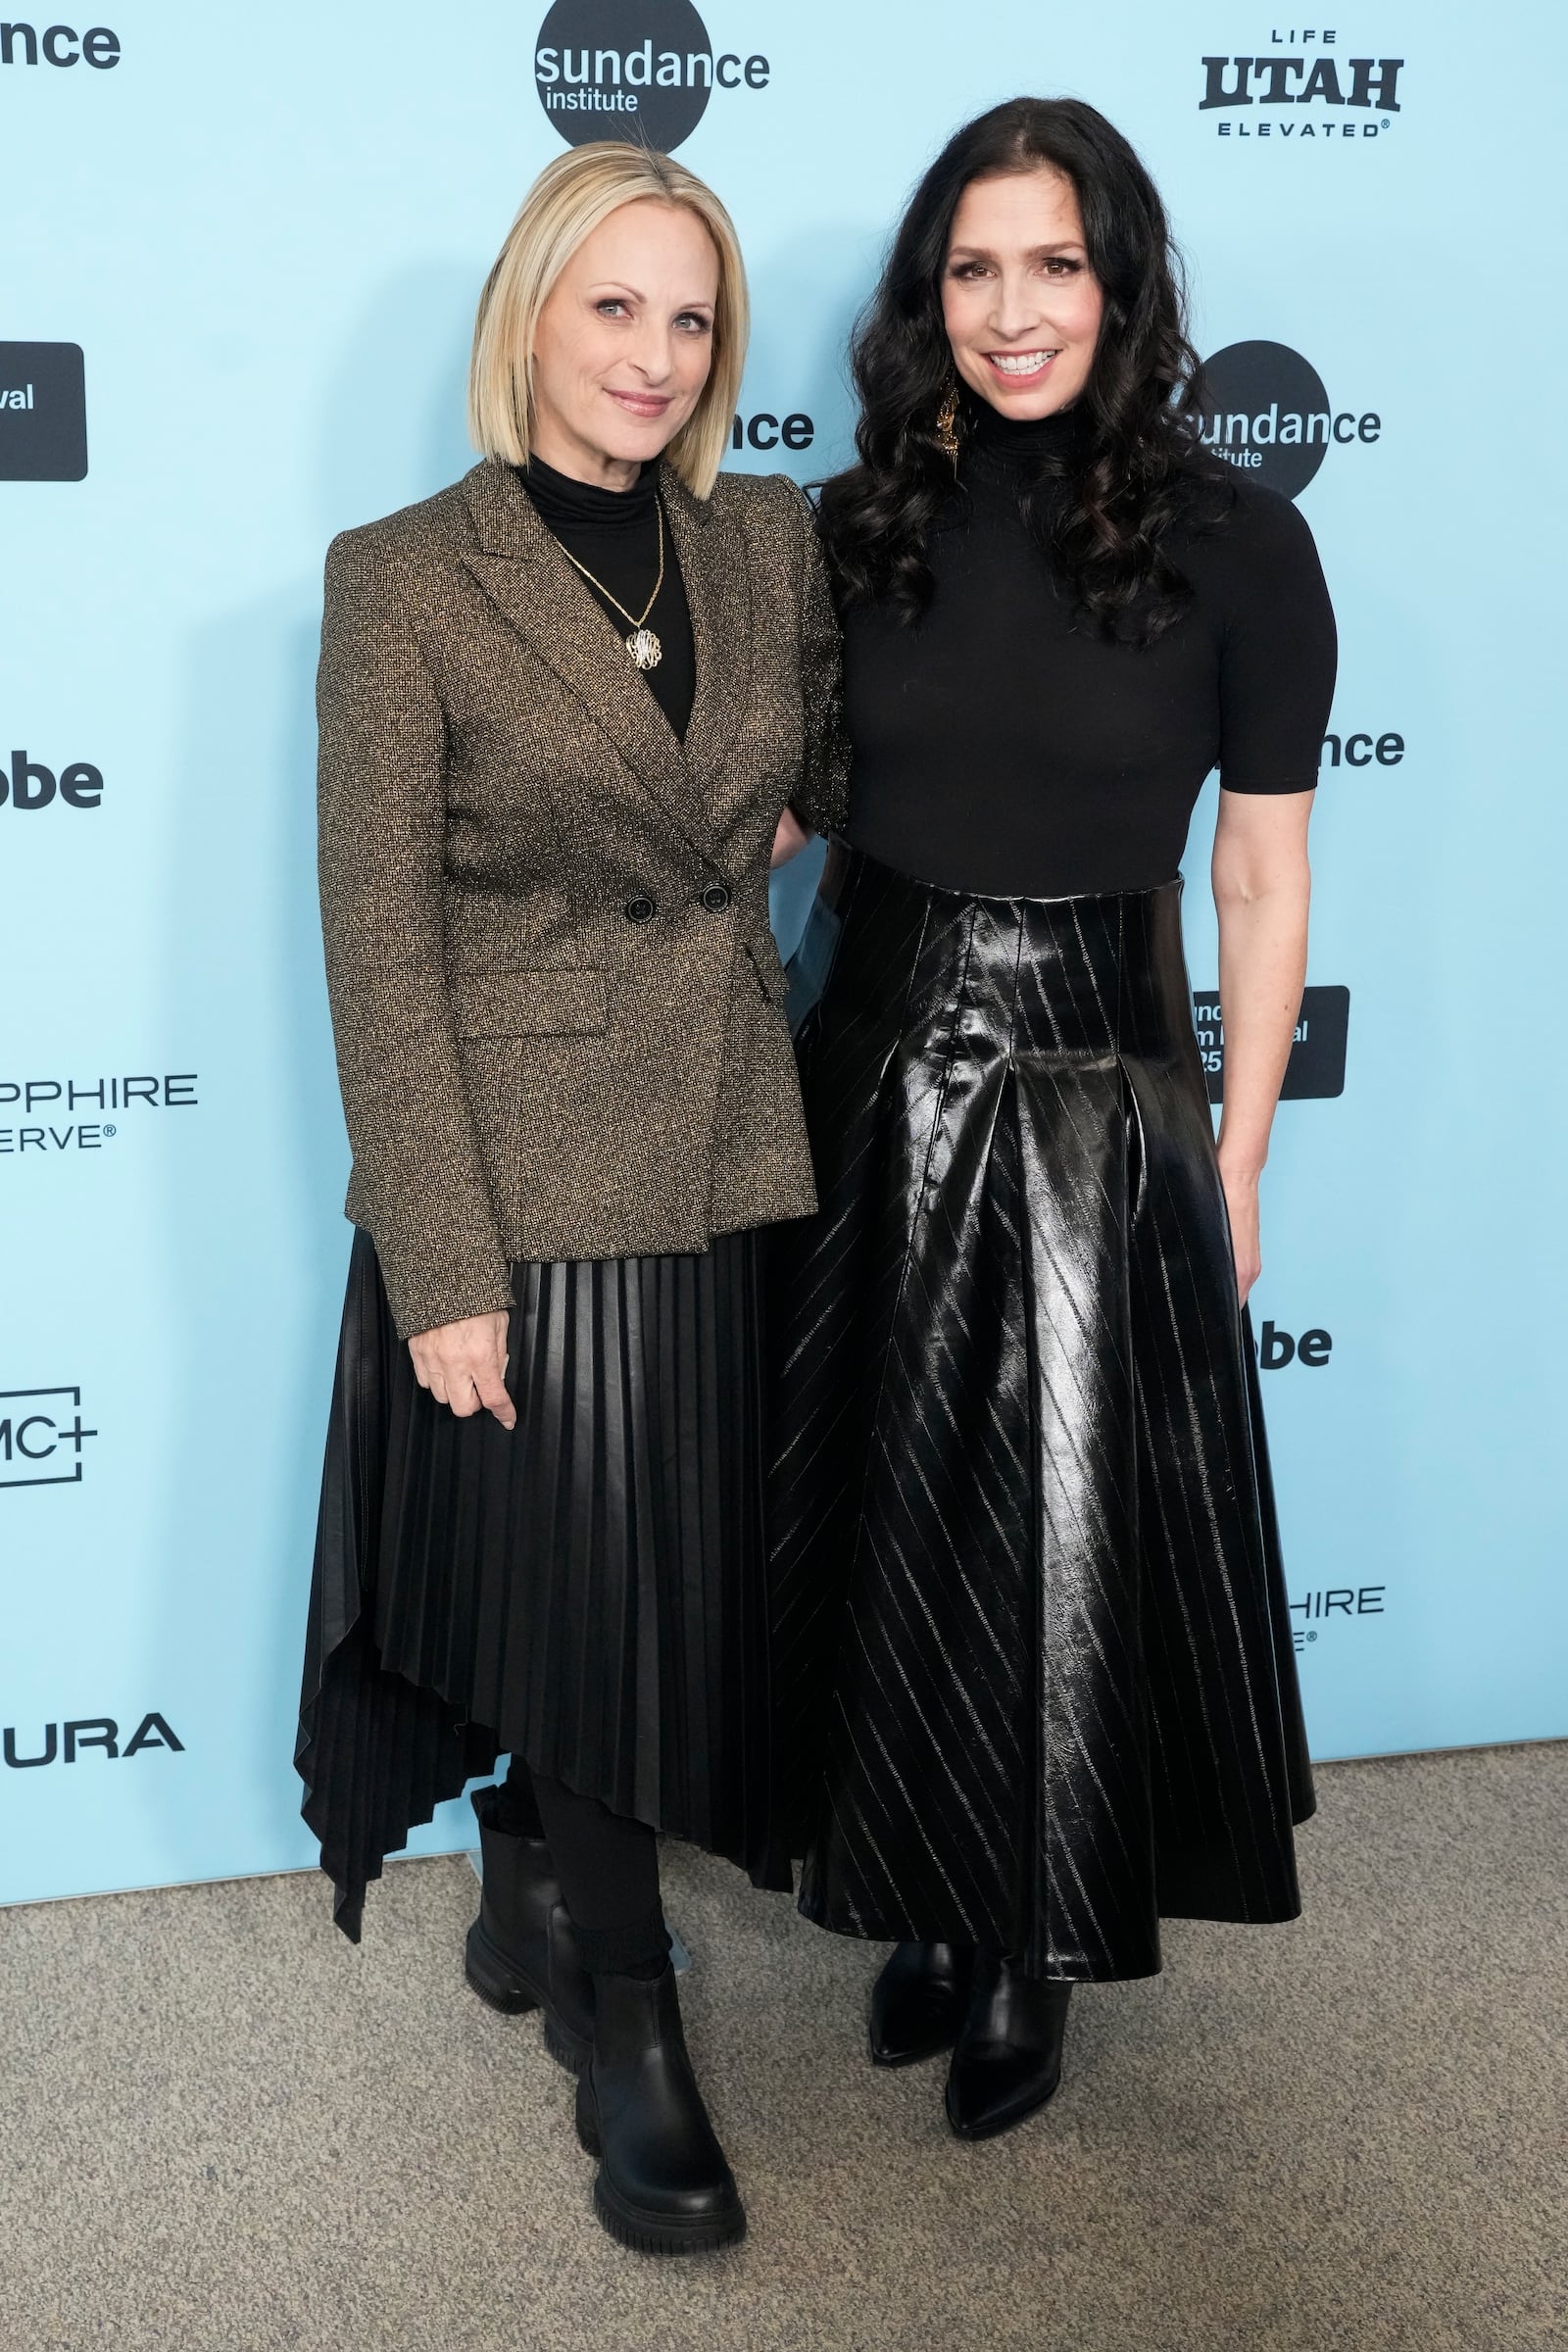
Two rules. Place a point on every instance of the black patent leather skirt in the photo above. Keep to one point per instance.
(1032, 1652)
(587, 1590)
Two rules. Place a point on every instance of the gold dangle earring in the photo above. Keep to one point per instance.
(947, 432)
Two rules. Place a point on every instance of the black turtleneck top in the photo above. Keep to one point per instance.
(1002, 749)
(616, 533)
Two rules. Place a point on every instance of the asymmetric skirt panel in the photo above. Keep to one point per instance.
(1032, 1649)
(587, 1590)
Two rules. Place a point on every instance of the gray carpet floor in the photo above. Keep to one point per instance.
(224, 2128)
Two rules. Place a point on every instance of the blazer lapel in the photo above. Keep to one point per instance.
(716, 567)
(524, 573)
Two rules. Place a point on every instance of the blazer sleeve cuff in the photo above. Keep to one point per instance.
(423, 1296)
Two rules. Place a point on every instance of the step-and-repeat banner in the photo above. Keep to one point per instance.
(241, 255)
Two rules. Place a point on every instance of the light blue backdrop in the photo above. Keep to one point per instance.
(266, 236)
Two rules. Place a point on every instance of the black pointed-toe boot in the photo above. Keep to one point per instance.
(1008, 2057)
(664, 2185)
(522, 1954)
(919, 2002)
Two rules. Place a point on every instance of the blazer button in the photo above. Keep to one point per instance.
(640, 911)
(716, 898)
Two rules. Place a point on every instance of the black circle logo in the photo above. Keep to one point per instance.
(636, 70)
(1264, 410)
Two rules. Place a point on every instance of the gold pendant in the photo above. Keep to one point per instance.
(645, 648)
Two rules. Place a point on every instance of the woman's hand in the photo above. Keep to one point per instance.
(789, 841)
(1241, 1202)
(465, 1365)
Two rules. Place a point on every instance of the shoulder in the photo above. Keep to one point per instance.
(1268, 521)
(1228, 510)
(764, 497)
(1245, 538)
(431, 531)
(770, 513)
(766, 505)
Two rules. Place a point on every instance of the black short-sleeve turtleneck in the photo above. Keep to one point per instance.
(615, 534)
(1001, 747)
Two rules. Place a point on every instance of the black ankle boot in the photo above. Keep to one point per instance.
(521, 1952)
(664, 2186)
(920, 2001)
(1009, 2058)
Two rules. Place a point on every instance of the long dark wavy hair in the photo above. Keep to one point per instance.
(1139, 465)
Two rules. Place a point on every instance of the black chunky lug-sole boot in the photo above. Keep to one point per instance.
(919, 2002)
(664, 2185)
(1008, 2062)
(521, 1952)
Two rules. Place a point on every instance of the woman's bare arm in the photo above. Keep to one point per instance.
(1262, 890)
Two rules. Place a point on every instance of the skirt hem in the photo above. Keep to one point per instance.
(1062, 1973)
(586, 1591)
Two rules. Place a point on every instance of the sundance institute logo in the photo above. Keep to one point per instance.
(1263, 408)
(638, 69)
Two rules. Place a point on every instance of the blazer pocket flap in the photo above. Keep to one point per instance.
(564, 1004)
(769, 970)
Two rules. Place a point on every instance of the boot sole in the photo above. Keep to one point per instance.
(643, 2232)
(501, 1985)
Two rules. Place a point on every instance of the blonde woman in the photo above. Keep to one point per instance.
(563, 704)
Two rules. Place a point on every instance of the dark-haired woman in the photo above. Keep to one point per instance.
(1032, 1619)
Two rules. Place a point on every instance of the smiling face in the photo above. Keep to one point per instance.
(1021, 306)
(625, 343)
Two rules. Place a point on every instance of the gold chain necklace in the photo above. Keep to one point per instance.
(643, 644)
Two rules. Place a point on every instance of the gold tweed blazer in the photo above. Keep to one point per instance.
(556, 997)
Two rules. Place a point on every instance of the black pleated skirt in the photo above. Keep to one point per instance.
(587, 1590)
(1034, 1669)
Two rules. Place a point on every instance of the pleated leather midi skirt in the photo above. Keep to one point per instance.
(1034, 1668)
(587, 1590)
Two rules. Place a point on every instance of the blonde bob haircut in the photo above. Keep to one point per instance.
(565, 205)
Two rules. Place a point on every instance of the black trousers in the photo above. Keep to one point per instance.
(608, 1865)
